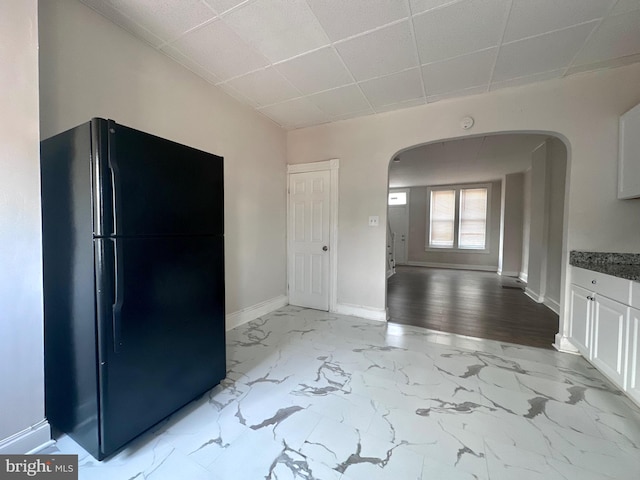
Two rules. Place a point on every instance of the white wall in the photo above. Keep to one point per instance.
(583, 109)
(22, 424)
(511, 224)
(92, 68)
(418, 235)
(556, 179)
(539, 224)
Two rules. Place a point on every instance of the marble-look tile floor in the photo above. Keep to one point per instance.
(312, 395)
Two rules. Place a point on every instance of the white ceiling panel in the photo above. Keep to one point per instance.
(116, 16)
(166, 18)
(294, 113)
(222, 6)
(341, 101)
(544, 53)
(459, 73)
(418, 6)
(316, 71)
(529, 18)
(342, 19)
(279, 29)
(304, 62)
(395, 88)
(617, 36)
(381, 52)
(625, 6)
(264, 87)
(460, 28)
(220, 50)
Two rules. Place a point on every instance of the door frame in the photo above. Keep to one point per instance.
(332, 167)
(407, 190)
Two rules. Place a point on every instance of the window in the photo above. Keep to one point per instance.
(398, 198)
(458, 217)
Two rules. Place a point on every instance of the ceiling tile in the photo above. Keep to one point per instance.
(190, 64)
(279, 29)
(460, 28)
(418, 6)
(381, 52)
(529, 18)
(342, 19)
(264, 87)
(457, 94)
(459, 73)
(341, 101)
(166, 18)
(220, 50)
(125, 22)
(544, 53)
(222, 6)
(625, 6)
(316, 71)
(233, 93)
(395, 88)
(294, 113)
(516, 82)
(616, 36)
(399, 106)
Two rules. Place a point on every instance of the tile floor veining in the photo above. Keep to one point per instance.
(312, 395)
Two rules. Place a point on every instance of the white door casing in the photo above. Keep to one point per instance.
(399, 224)
(311, 213)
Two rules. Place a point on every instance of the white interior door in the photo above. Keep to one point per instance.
(399, 224)
(309, 236)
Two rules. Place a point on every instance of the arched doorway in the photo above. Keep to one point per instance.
(485, 236)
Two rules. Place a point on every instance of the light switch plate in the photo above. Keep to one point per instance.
(374, 221)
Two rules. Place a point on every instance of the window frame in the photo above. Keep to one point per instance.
(456, 222)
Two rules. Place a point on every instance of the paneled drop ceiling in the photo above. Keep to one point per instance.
(306, 62)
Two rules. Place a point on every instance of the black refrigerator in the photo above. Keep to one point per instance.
(133, 259)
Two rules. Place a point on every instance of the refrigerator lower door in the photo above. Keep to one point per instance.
(161, 329)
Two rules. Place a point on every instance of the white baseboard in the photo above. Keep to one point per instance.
(535, 296)
(563, 344)
(523, 276)
(379, 314)
(552, 304)
(390, 273)
(454, 266)
(245, 315)
(29, 440)
(508, 274)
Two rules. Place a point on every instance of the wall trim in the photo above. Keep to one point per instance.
(31, 439)
(378, 314)
(552, 304)
(245, 315)
(508, 274)
(523, 276)
(535, 296)
(563, 344)
(454, 266)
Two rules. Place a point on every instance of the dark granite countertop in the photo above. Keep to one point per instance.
(623, 265)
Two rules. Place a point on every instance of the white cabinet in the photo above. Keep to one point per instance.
(632, 384)
(608, 349)
(629, 154)
(604, 325)
(580, 327)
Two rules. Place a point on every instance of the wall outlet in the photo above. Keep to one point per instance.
(374, 221)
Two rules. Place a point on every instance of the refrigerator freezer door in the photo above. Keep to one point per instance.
(162, 187)
(161, 329)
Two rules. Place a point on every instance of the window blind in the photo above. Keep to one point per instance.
(473, 218)
(442, 215)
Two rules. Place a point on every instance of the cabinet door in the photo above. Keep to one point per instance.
(580, 328)
(632, 385)
(608, 350)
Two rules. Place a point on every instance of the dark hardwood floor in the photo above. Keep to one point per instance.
(469, 303)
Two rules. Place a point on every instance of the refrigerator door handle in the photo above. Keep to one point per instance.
(115, 177)
(117, 297)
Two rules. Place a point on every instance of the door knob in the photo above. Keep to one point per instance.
(325, 248)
